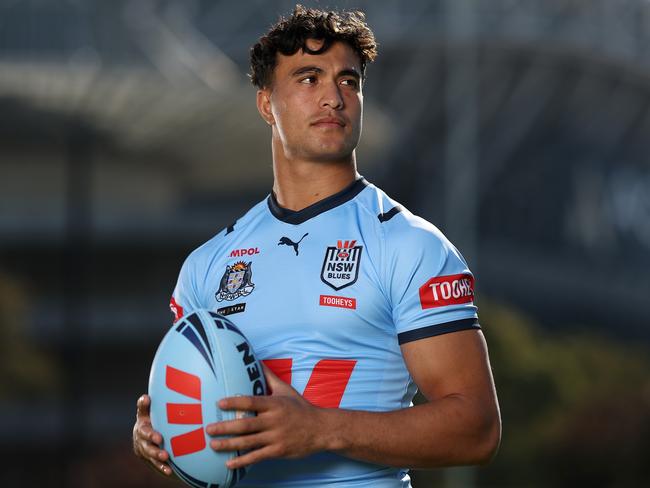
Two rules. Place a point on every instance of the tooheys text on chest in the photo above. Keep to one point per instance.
(252, 368)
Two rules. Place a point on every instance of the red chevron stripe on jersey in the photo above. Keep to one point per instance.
(327, 381)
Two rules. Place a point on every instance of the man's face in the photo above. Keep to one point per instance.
(316, 103)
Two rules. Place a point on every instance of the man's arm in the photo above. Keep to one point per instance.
(460, 423)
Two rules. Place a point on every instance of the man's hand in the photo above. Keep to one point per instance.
(286, 425)
(146, 441)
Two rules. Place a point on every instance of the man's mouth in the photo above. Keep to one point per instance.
(329, 122)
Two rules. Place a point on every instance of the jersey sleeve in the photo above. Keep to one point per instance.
(430, 286)
(185, 296)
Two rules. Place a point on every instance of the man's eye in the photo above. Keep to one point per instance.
(308, 80)
(350, 82)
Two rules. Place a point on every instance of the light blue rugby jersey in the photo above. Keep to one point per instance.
(326, 295)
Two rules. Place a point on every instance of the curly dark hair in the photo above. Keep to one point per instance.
(290, 34)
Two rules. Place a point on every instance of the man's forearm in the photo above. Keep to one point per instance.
(449, 431)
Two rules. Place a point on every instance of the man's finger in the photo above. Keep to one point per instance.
(272, 380)
(269, 375)
(275, 385)
(146, 432)
(245, 425)
(251, 457)
(153, 452)
(149, 450)
(156, 438)
(239, 443)
(244, 403)
(144, 402)
(162, 467)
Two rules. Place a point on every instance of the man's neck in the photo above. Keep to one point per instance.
(299, 184)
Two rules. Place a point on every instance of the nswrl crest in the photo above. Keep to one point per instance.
(235, 282)
(341, 264)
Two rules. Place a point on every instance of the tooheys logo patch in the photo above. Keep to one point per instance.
(447, 290)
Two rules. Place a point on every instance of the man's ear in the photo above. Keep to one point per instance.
(264, 105)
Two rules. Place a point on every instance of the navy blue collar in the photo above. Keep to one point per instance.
(299, 216)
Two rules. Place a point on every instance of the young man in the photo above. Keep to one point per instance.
(349, 298)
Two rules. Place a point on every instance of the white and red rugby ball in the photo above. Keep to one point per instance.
(204, 357)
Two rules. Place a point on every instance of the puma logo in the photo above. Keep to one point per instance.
(285, 241)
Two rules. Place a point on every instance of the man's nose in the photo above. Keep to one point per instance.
(331, 96)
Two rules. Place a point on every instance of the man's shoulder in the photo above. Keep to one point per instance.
(225, 237)
(396, 222)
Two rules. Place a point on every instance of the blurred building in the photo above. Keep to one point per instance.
(129, 135)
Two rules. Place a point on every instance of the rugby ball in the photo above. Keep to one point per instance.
(204, 357)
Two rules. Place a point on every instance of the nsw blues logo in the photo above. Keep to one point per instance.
(341, 264)
(236, 282)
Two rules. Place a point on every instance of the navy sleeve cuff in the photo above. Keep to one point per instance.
(439, 329)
